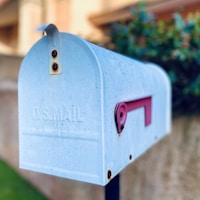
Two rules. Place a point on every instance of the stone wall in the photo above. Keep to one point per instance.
(169, 170)
(9, 68)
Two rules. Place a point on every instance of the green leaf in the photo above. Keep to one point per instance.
(179, 21)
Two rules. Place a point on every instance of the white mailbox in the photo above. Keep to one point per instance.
(85, 112)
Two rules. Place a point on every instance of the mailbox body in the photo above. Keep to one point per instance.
(66, 121)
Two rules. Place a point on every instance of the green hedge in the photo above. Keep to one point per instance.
(173, 45)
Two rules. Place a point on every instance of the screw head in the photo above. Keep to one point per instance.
(54, 53)
(109, 174)
(54, 66)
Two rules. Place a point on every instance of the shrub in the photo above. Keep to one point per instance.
(174, 45)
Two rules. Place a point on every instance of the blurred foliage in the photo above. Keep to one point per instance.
(174, 45)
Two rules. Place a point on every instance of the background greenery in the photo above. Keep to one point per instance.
(14, 187)
(174, 45)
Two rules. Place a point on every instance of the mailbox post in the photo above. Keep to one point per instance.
(85, 112)
(112, 189)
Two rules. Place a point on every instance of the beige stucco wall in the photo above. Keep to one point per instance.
(80, 11)
(30, 17)
(113, 4)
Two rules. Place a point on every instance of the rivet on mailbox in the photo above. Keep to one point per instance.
(85, 112)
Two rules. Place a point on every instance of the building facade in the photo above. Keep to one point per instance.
(19, 19)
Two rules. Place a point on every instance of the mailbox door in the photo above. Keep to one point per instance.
(60, 115)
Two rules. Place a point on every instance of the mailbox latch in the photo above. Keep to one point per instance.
(123, 108)
(54, 46)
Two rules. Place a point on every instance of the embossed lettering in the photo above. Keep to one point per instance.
(63, 113)
(78, 115)
(67, 115)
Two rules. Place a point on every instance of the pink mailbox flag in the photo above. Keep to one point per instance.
(123, 107)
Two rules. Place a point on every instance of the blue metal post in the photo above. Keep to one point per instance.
(112, 189)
